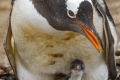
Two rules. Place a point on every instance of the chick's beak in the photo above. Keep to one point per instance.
(93, 38)
(77, 68)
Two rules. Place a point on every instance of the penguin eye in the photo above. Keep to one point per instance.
(71, 14)
(83, 66)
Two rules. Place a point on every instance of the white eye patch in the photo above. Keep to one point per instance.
(72, 7)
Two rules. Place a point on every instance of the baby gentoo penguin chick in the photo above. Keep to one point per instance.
(77, 68)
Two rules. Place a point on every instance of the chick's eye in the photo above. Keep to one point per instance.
(83, 66)
(71, 14)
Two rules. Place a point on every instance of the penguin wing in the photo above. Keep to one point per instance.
(9, 47)
(109, 39)
(9, 44)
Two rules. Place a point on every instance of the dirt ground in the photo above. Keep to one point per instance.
(5, 7)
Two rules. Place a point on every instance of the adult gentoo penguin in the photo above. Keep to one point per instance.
(45, 36)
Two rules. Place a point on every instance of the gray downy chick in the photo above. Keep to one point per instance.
(77, 69)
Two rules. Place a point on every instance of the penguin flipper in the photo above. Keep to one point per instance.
(9, 44)
(9, 47)
(109, 43)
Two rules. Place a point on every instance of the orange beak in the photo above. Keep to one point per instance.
(91, 36)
